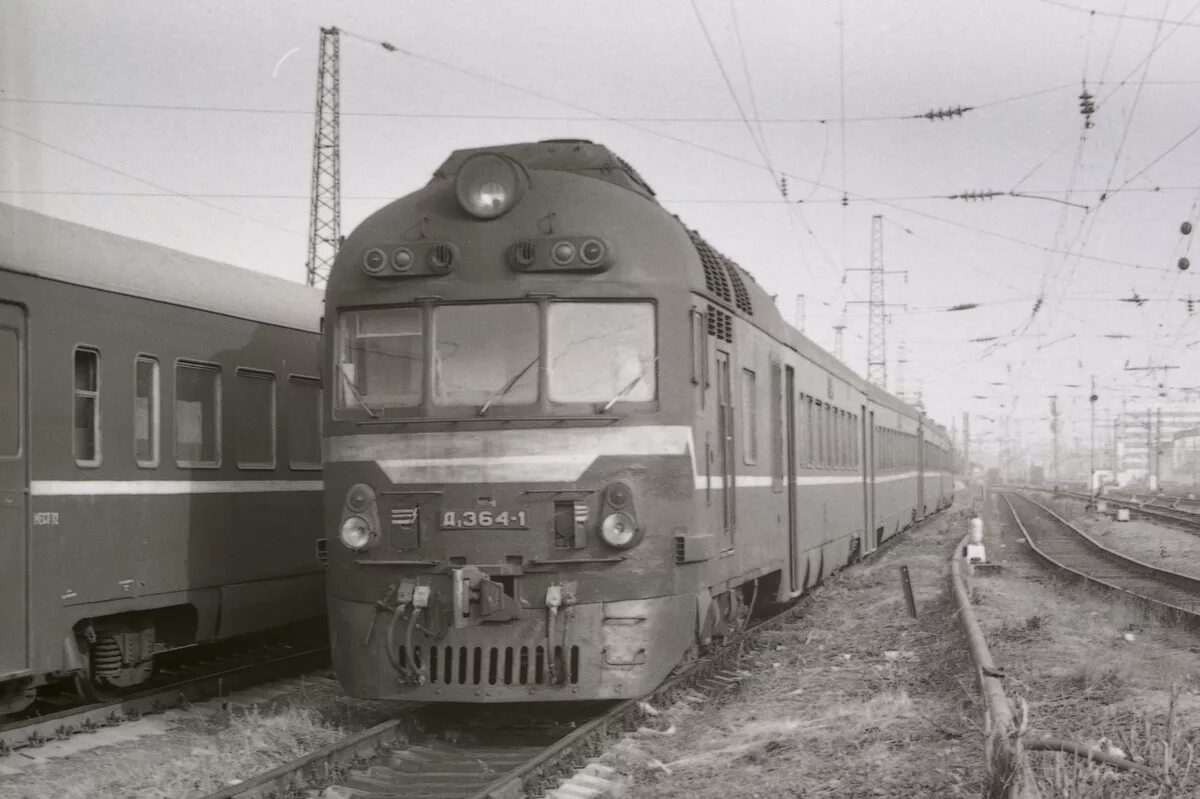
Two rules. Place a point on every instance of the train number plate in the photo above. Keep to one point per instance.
(483, 519)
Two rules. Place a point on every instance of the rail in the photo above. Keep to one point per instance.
(1060, 544)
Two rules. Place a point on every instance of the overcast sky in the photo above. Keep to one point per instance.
(109, 112)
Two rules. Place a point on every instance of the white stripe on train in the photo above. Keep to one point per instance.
(85, 488)
(544, 455)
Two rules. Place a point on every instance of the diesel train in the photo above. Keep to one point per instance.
(568, 443)
(160, 455)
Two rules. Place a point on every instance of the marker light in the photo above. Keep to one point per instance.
(592, 252)
(488, 185)
(355, 533)
(358, 497)
(402, 259)
(374, 260)
(563, 253)
(618, 530)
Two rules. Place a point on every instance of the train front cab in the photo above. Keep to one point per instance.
(511, 523)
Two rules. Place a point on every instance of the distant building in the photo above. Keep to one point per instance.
(1161, 442)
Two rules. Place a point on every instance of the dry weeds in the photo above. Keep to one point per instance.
(854, 700)
(202, 754)
(1094, 668)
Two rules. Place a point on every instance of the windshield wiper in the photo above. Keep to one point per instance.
(354, 390)
(507, 387)
(628, 387)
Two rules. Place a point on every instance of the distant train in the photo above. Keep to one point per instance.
(160, 462)
(569, 443)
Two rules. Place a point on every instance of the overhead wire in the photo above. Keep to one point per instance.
(166, 190)
(768, 120)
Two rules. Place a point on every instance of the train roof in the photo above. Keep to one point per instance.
(55, 249)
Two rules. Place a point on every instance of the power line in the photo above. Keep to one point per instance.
(164, 189)
(1099, 13)
(558, 118)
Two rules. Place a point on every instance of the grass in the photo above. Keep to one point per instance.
(856, 699)
(204, 752)
(1095, 669)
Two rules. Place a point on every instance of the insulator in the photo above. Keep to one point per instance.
(1184, 263)
(1185, 228)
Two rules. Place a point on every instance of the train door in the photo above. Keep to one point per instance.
(870, 540)
(920, 472)
(14, 490)
(725, 448)
(789, 454)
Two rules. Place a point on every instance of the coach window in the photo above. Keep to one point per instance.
(602, 352)
(197, 415)
(87, 406)
(810, 435)
(254, 419)
(145, 411)
(380, 360)
(749, 417)
(304, 422)
(10, 393)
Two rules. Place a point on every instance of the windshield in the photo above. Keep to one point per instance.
(484, 355)
(489, 355)
(380, 358)
(602, 350)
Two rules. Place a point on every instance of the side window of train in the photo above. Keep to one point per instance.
(11, 393)
(197, 415)
(87, 407)
(254, 419)
(749, 417)
(304, 422)
(146, 411)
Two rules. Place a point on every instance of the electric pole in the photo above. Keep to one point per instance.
(1054, 431)
(877, 308)
(1092, 401)
(966, 444)
(325, 214)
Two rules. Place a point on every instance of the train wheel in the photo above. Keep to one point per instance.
(15, 696)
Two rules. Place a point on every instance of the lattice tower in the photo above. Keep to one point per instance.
(325, 215)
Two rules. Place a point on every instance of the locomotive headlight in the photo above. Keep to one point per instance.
(356, 533)
(488, 185)
(619, 530)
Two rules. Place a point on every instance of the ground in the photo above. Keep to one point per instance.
(854, 699)
(191, 753)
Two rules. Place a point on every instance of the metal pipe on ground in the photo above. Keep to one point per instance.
(1008, 770)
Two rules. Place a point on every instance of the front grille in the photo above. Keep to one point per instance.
(466, 665)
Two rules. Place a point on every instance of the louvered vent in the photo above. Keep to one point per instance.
(720, 324)
(739, 288)
(715, 277)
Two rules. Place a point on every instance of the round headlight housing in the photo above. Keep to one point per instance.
(488, 185)
(358, 497)
(356, 533)
(619, 530)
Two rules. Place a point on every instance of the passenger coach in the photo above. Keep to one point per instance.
(569, 443)
(160, 459)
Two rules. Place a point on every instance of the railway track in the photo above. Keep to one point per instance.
(220, 670)
(488, 757)
(1166, 513)
(1061, 544)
